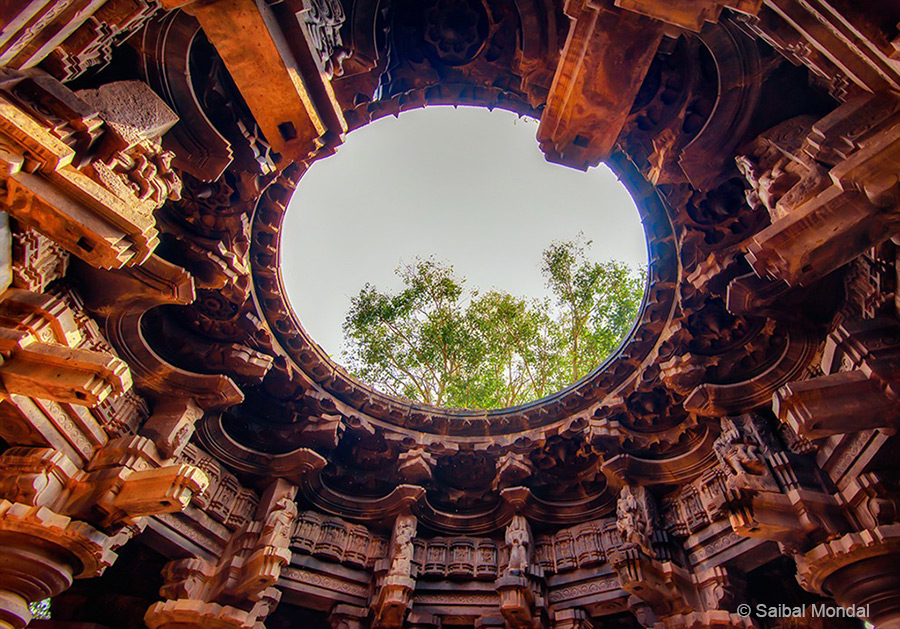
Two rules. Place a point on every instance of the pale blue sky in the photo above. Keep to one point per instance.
(466, 185)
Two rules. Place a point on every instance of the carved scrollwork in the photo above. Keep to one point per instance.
(323, 20)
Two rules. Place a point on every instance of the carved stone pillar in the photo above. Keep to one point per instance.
(518, 584)
(394, 596)
(36, 260)
(237, 591)
(860, 571)
(59, 521)
(40, 553)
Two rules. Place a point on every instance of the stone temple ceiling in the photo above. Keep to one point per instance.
(148, 151)
(665, 107)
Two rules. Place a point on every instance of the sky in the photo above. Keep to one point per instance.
(468, 186)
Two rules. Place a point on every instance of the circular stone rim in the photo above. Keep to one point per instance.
(349, 395)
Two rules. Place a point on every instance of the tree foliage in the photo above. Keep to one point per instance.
(439, 342)
(597, 302)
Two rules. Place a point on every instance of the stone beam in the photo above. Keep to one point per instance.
(861, 390)
(606, 57)
(840, 35)
(32, 29)
(841, 403)
(689, 14)
(276, 70)
(845, 196)
(37, 342)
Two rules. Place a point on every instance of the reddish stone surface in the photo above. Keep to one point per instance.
(163, 409)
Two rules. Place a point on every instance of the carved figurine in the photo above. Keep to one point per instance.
(279, 524)
(518, 540)
(402, 547)
(738, 453)
(781, 177)
(635, 517)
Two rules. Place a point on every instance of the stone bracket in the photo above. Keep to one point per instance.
(276, 72)
(604, 62)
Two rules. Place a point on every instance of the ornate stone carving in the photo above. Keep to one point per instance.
(44, 546)
(323, 20)
(740, 453)
(682, 409)
(337, 541)
(813, 36)
(401, 551)
(519, 545)
(853, 143)
(37, 260)
(635, 517)
(780, 177)
(91, 46)
(522, 598)
(416, 465)
(393, 599)
(140, 119)
(66, 38)
(237, 589)
(60, 520)
(225, 499)
(108, 201)
(172, 424)
(684, 512)
(40, 343)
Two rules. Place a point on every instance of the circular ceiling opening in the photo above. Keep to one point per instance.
(438, 257)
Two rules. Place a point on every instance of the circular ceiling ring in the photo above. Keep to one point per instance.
(319, 372)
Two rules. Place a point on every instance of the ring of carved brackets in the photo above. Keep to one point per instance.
(641, 416)
(317, 372)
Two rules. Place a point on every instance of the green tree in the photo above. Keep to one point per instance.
(598, 303)
(438, 342)
(417, 343)
(519, 355)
